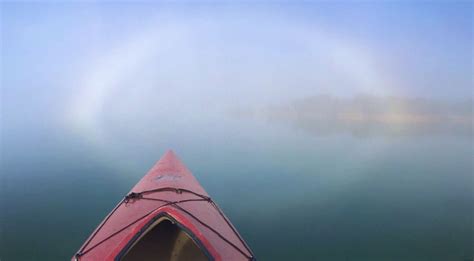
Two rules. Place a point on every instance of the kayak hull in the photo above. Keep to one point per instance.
(167, 190)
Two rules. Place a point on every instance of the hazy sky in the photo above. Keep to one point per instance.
(84, 64)
(343, 108)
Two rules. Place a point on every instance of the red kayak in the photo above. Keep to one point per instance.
(166, 216)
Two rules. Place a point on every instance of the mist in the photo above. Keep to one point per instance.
(365, 116)
(354, 120)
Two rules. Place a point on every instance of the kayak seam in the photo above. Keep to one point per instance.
(83, 252)
(132, 196)
(139, 195)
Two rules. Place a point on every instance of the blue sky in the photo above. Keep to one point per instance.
(85, 63)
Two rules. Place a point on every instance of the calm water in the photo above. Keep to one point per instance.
(291, 194)
(325, 131)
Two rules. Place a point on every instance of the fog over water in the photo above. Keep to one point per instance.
(368, 115)
(329, 131)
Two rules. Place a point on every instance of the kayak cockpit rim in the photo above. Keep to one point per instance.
(151, 225)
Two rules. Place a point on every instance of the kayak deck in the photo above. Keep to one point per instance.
(164, 240)
(167, 194)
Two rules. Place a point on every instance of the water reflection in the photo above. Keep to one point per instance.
(368, 115)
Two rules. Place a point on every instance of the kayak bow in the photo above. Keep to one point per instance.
(166, 216)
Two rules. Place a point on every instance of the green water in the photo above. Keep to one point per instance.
(292, 195)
